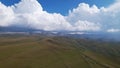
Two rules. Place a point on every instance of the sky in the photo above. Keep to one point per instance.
(53, 5)
(70, 15)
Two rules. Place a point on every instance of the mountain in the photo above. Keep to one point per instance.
(15, 29)
(94, 35)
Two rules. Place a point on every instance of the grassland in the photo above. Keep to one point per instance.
(37, 51)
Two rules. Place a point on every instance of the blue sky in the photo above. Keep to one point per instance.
(63, 6)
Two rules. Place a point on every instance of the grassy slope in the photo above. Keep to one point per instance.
(49, 52)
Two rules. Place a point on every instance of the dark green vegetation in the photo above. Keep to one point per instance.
(38, 51)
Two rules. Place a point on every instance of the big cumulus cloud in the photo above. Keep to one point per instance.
(29, 13)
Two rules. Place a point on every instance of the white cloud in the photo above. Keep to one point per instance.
(27, 7)
(29, 13)
(113, 30)
(86, 26)
(106, 17)
(6, 15)
(84, 13)
(85, 17)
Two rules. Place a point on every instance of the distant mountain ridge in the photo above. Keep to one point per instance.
(15, 29)
(105, 36)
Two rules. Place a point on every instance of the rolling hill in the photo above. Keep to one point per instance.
(41, 51)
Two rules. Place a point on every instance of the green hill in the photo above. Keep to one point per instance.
(38, 51)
